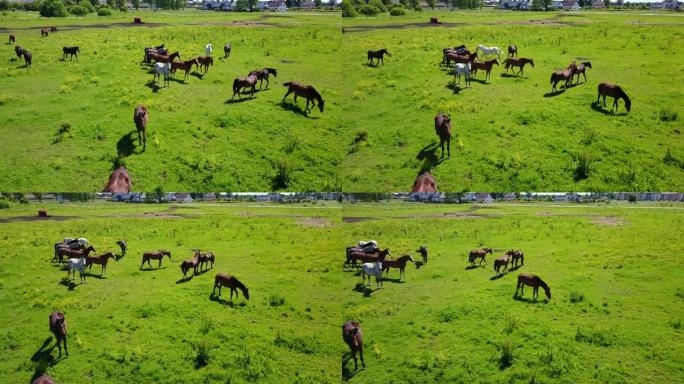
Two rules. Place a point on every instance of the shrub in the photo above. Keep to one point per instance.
(397, 11)
(5, 5)
(202, 349)
(276, 300)
(506, 358)
(104, 11)
(52, 8)
(596, 337)
(576, 297)
(348, 10)
(281, 180)
(78, 10)
(583, 165)
(676, 324)
(511, 325)
(88, 6)
(378, 4)
(632, 199)
(668, 115)
(369, 10)
(4, 204)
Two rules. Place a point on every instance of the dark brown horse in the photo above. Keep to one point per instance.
(565, 74)
(262, 74)
(425, 182)
(53, 29)
(377, 55)
(398, 263)
(122, 244)
(423, 253)
(485, 66)
(186, 66)
(159, 58)
(460, 58)
(615, 91)
(352, 335)
(225, 280)
(517, 62)
(306, 91)
(368, 257)
(187, 265)
(443, 131)
(44, 32)
(226, 50)
(533, 281)
(204, 63)
(516, 256)
(206, 258)
(119, 181)
(43, 379)
(27, 55)
(502, 261)
(512, 51)
(140, 120)
(460, 50)
(244, 82)
(479, 254)
(12, 38)
(58, 327)
(73, 253)
(156, 255)
(582, 70)
(100, 260)
(71, 51)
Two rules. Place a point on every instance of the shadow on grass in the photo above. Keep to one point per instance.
(429, 157)
(481, 81)
(68, 283)
(469, 267)
(234, 101)
(296, 109)
(125, 146)
(218, 299)
(554, 93)
(419, 264)
(511, 269)
(148, 269)
(456, 87)
(44, 359)
(197, 75)
(153, 86)
(598, 107)
(365, 289)
(395, 280)
(497, 276)
(94, 275)
(347, 373)
(509, 75)
(184, 280)
(529, 301)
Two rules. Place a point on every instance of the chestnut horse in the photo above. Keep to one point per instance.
(515, 257)
(206, 258)
(502, 261)
(352, 335)
(613, 90)
(479, 254)
(398, 263)
(186, 265)
(101, 260)
(28, 56)
(156, 255)
(71, 51)
(262, 74)
(458, 58)
(184, 65)
(159, 58)
(73, 253)
(485, 66)
(377, 55)
(58, 327)
(12, 38)
(533, 281)
(43, 379)
(425, 182)
(517, 62)
(119, 181)
(582, 70)
(204, 63)
(44, 32)
(512, 50)
(243, 82)
(368, 257)
(306, 91)
(565, 74)
(225, 280)
(140, 120)
(443, 130)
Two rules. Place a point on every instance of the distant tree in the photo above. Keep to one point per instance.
(348, 9)
(5, 5)
(119, 4)
(111, 3)
(606, 3)
(432, 3)
(52, 8)
(251, 4)
(414, 3)
(332, 3)
(38, 196)
(136, 4)
(632, 199)
(318, 3)
(159, 194)
(241, 5)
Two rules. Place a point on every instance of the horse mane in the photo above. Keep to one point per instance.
(315, 93)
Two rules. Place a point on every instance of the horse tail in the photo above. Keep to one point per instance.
(235, 85)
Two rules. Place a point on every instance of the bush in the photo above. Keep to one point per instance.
(4, 204)
(77, 10)
(397, 11)
(282, 178)
(276, 300)
(632, 199)
(368, 10)
(378, 4)
(576, 297)
(52, 8)
(88, 6)
(348, 9)
(506, 358)
(5, 5)
(667, 115)
(104, 11)
(583, 165)
(202, 349)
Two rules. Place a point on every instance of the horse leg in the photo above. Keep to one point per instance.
(288, 92)
(231, 293)
(448, 148)
(361, 355)
(356, 366)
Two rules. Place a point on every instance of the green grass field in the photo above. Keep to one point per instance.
(197, 140)
(507, 134)
(614, 317)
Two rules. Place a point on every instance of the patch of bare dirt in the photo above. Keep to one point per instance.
(356, 219)
(447, 215)
(316, 222)
(610, 221)
(14, 219)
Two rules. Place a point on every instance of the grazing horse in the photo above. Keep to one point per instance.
(162, 68)
(74, 253)
(398, 263)
(186, 265)
(262, 74)
(485, 66)
(140, 120)
(458, 58)
(204, 63)
(512, 51)
(377, 55)
(243, 82)
(479, 254)
(119, 181)
(372, 269)
(425, 182)
(206, 258)
(72, 51)
(582, 69)
(462, 69)
(58, 327)
(368, 257)
(443, 130)
(533, 281)
(423, 252)
(19, 51)
(53, 29)
(160, 50)
(208, 49)
(352, 335)
(156, 255)
(73, 265)
(517, 62)
(43, 379)
(102, 260)
(224, 280)
(163, 58)
(502, 261)
(12, 38)
(486, 51)
(185, 66)
(122, 244)
(515, 257)
(44, 32)
(226, 50)
(308, 92)
(565, 74)
(70, 243)
(615, 91)
(460, 50)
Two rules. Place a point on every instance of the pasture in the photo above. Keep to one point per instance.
(67, 124)
(512, 133)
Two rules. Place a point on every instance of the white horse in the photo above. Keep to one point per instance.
(374, 269)
(162, 69)
(73, 265)
(207, 50)
(488, 50)
(462, 69)
(365, 243)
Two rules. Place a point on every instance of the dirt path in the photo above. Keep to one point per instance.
(15, 219)
(77, 27)
(365, 28)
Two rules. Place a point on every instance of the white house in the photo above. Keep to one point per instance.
(183, 198)
(308, 4)
(484, 197)
(277, 5)
(667, 4)
(262, 5)
(598, 4)
(571, 5)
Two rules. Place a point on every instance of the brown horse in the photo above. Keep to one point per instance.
(119, 181)
(398, 263)
(479, 254)
(615, 91)
(225, 280)
(368, 257)
(350, 250)
(262, 74)
(502, 261)
(485, 66)
(43, 379)
(122, 244)
(377, 55)
(140, 120)
(533, 281)
(159, 58)
(184, 65)
(12, 38)
(73, 253)
(423, 253)
(226, 50)
(58, 327)
(565, 74)
(204, 63)
(306, 91)
(517, 62)
(101, 260)
(206, 258)
(581, 70)
(424, 182)
(27, 55)
(443, 130)
(186, 265)
(53, 29)
(460, 50)
(460, 58)
(512, 51)
(156, 255)
(71, 51)
(515, 257)
(244, 82)
(352, 335)
(44, 32)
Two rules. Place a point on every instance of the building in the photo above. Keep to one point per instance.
(667, 5)
(598, 4)
(308, 4)
(183, 198)
(277, 6)
(571, 5)
(484, 197)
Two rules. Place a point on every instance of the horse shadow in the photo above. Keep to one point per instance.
(153, 86)
(529, 301)
(94, 275)
(456, 87)
(419, 264)
(197, 75)
(221, 301)
(469, 267)
(125, 146)
(295, 108)
(554, 93)
(44, 359)
(68, 283)
(347, 373)
(481, 81)
(497, 276)
(148, 269)
(363, 288)
(509, 75)
(202, 272)
(429, 157)
(393, 280)
(598, 107)
(512, 269)
(234, 101)
(184, 279)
